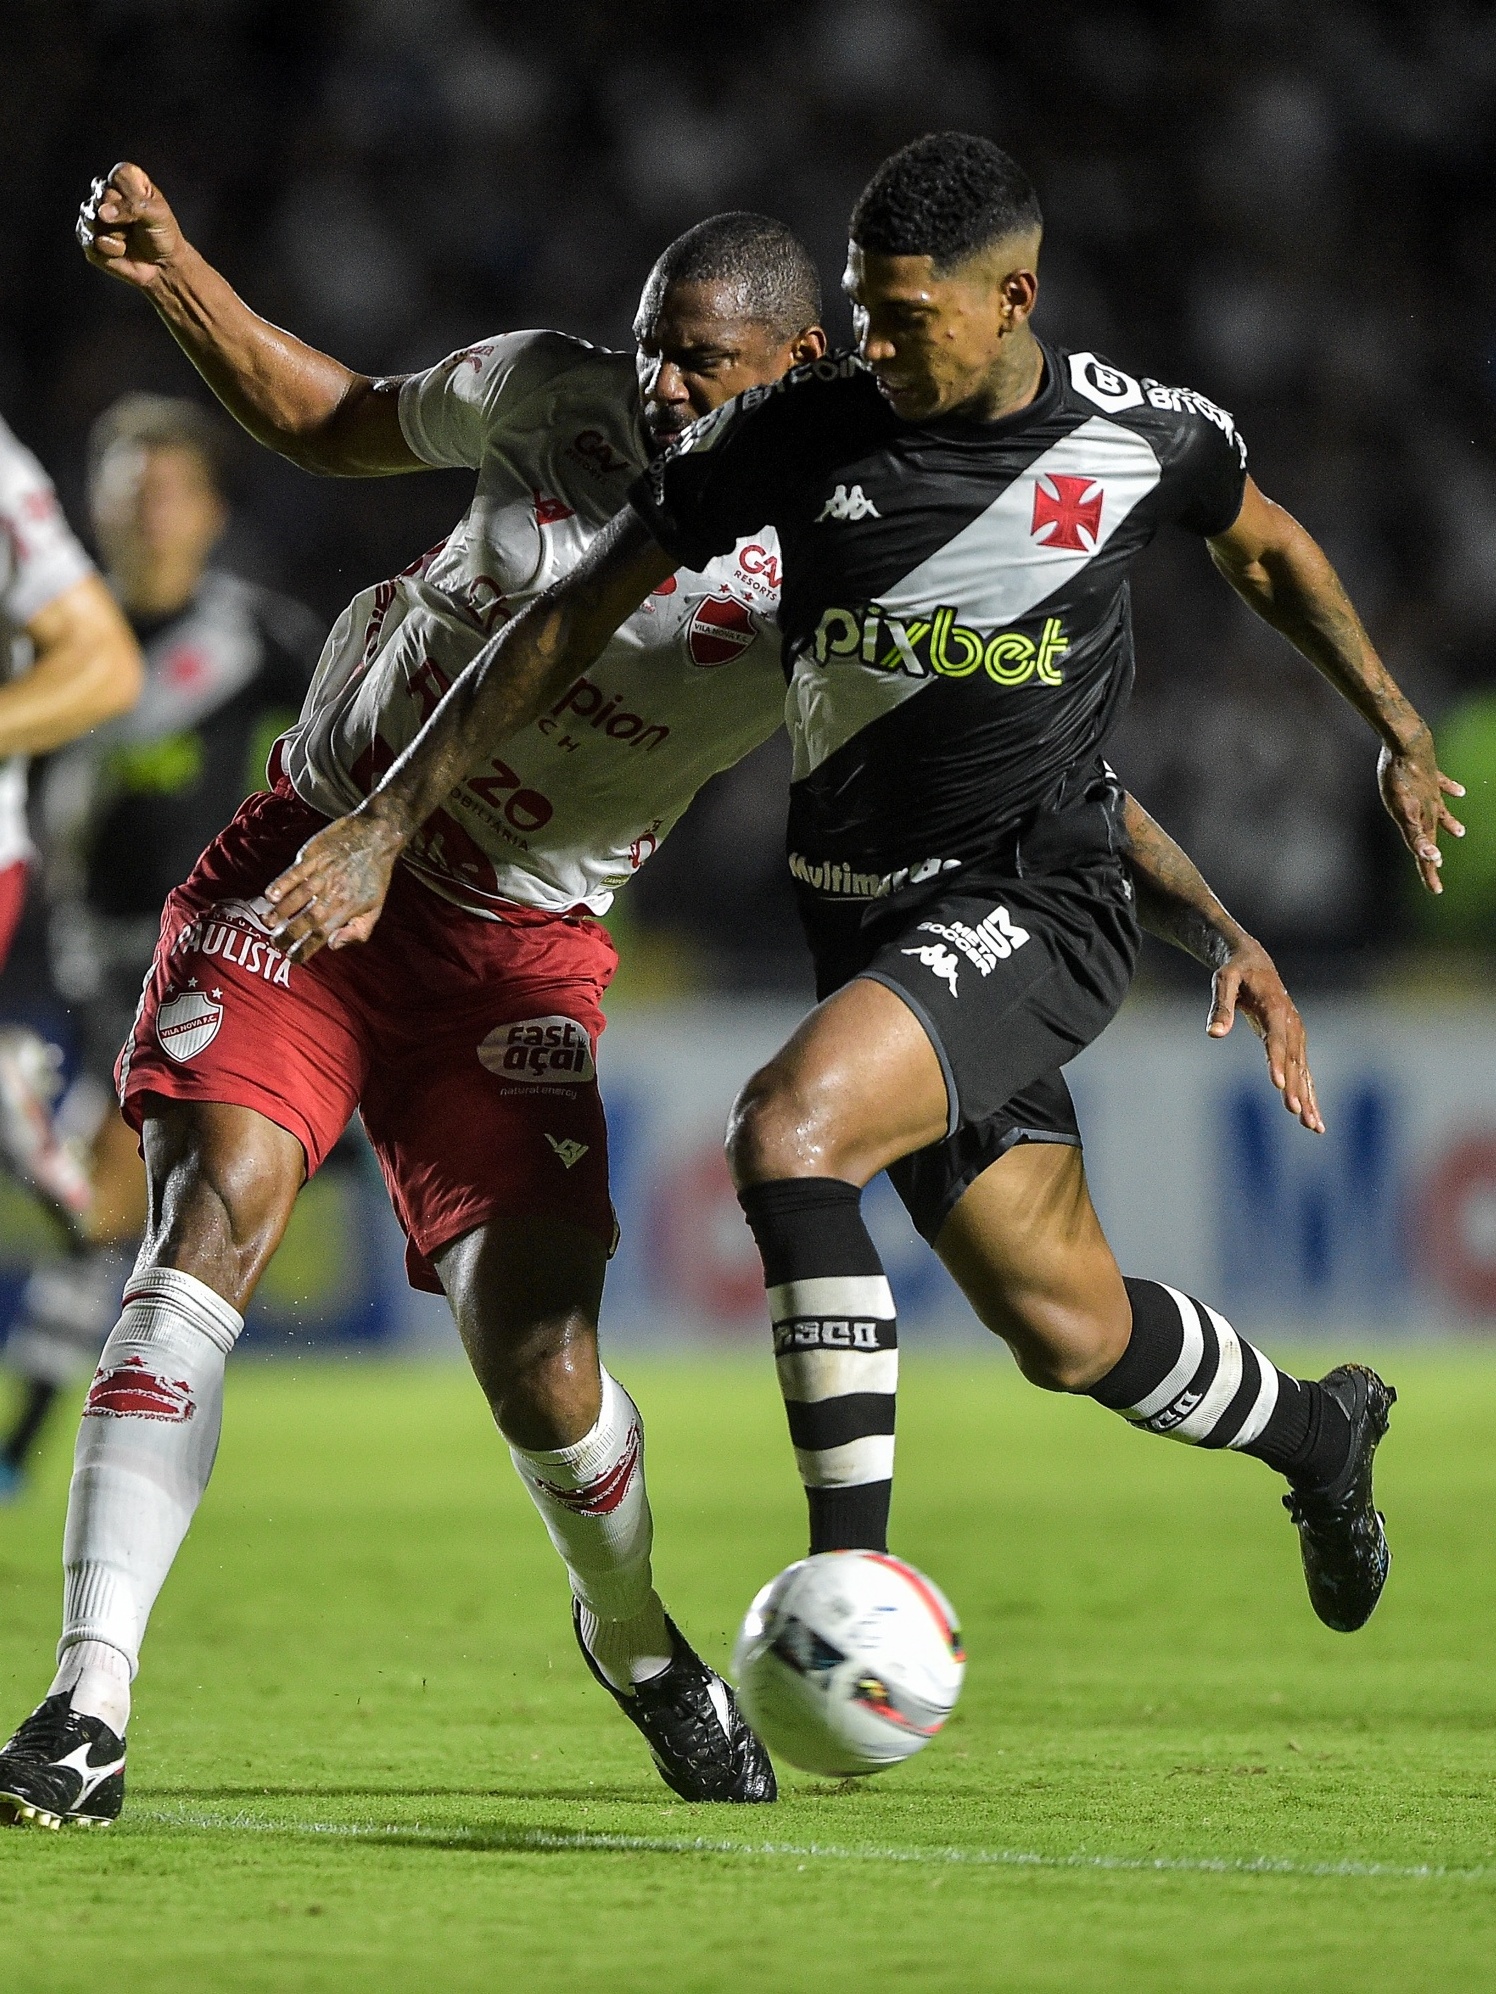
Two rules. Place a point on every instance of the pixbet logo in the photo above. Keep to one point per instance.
(540, 1052)
(919, 647)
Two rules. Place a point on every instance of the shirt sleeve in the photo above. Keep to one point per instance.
(1210, 473)
(718, 484)
(40, 559)
(449, 412)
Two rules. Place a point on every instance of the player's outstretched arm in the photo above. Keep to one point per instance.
(1176, 904)
(1281, 571)
(334, 892)
(302, 403)
(86, 670)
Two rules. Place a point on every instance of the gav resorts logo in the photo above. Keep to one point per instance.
(540, 1052)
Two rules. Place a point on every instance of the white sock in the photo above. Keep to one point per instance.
(592, 1499)
(99, 1678)
(145, 1450)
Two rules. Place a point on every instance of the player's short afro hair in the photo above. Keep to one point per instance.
(945, 196)
(769, 266)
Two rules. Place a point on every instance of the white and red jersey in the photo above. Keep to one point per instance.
(568, 809)
(39, 561)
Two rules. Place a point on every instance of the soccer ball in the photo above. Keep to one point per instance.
(848, 1662)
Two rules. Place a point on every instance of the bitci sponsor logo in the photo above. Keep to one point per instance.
(540, 1052)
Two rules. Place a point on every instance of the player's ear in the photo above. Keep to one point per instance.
(810, 344)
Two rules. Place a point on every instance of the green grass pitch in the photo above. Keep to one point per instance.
(365, 1754)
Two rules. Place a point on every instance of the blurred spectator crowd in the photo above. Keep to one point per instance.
(1291, 208)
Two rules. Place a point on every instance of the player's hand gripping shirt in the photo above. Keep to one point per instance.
(573, 805)
(39, 561)
(955, 607)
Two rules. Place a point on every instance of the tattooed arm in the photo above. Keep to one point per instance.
(1176, 904)
(1282, 573)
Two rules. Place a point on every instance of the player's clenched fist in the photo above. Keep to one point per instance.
(126, 227)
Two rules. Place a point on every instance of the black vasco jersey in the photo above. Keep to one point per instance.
(130, 807)
(954, 609)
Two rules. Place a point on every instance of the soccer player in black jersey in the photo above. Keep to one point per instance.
(958, 505)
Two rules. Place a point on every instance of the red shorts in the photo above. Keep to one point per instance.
(469, 1044)
(12, 900)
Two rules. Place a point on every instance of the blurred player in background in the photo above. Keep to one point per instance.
(69, 663)
(469, 1032)
(124, 815)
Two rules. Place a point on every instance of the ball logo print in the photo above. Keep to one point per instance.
(849, 1662)
(186, 1024)
(721, 630)
(540, 1052)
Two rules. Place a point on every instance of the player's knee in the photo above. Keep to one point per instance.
(1066, 1351)
(219, 1199)
(774, 1130)
(545, 1393)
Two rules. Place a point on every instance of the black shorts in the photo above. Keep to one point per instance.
(1010, 978)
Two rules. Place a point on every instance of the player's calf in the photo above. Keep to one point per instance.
(1186, 1374)
(835, 1350)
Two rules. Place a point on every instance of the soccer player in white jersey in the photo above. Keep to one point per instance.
(68, 662)
(467, 1030)
(958, 504)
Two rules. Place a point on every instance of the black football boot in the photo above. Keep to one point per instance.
(1341, 1532)
(691, 1722)
(62, 1769)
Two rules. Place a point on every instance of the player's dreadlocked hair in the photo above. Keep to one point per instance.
(770, 267)
(945, 196)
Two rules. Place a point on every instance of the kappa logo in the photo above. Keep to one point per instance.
(938, 960)
(849, 505)
(540, 1052)
(187, 1023)
(131, 1391)
(568, 1149)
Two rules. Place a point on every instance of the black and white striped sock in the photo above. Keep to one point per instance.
(836, 1351)
(1186, 1374)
